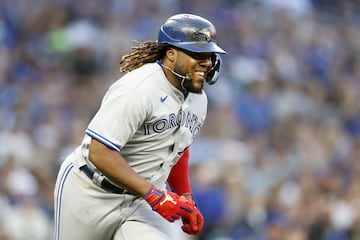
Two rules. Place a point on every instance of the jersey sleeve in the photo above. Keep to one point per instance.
(179, 179)
(121, 113)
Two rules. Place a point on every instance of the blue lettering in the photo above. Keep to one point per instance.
(194, 121)
(188, 120)
(181, 119)
(172, 120)
(160, 125)
(196, 130)
(146, 129)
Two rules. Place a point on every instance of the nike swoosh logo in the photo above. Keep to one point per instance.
(163, 99)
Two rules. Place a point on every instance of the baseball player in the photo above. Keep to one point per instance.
(129, 177)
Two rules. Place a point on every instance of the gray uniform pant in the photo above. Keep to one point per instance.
(84, 211)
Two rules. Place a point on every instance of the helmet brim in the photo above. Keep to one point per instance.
(199, 47)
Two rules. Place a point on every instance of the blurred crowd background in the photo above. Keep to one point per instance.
(279, 155)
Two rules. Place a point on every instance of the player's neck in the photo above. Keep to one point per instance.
(171, 77)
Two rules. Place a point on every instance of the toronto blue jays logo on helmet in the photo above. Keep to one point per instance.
(204, 35)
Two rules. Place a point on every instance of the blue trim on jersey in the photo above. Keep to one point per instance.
(186, 93)
(58, 199)
(103, 140)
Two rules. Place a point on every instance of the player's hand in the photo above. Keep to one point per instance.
(167, 204)
(193, 222)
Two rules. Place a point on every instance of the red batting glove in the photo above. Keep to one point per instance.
(193, 222)
(167, 204)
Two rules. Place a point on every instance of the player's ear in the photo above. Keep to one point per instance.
(171, 54)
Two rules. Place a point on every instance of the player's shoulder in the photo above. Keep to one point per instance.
(139, 76)
(132, 85)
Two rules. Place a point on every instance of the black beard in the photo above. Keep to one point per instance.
(185, 81)
(188, 86)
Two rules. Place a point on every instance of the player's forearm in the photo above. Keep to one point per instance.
(115, 167)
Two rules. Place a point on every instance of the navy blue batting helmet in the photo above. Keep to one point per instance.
(190, 32)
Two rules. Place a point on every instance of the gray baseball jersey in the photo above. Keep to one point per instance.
(150, 123)
(148, 120)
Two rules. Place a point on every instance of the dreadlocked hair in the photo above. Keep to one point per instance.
(144, 52)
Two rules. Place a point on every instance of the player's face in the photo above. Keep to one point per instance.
(195, 64)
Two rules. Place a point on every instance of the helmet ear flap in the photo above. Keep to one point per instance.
(214, 72)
